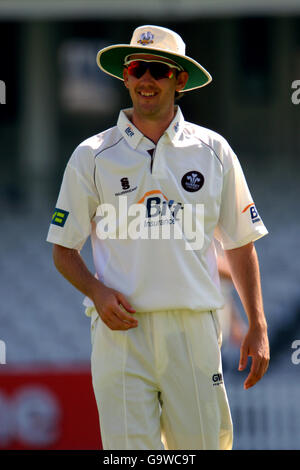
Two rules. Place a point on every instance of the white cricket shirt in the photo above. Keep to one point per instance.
(190, 165)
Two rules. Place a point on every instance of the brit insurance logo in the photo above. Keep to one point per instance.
(155, 217)
(159, 209)
(192, 181)
(146, 38)
(129, 131)
(176, 127)
(253, 212)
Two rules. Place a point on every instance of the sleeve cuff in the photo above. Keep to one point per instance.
(252, 237)
(67, 244)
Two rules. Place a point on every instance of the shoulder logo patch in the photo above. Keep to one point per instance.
(253, 212)
(59, 217)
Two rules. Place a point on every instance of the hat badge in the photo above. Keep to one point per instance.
(146, 38)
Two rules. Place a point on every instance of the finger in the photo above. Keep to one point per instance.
(121, 325)
(243, 357)
(251, 381)
(264, 367)
(256, 372)
(119, 310)
(259, 368)
(113, 322)
(124, 302)
(118, 325)
(123, 316)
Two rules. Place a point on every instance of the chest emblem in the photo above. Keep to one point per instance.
(192, 181)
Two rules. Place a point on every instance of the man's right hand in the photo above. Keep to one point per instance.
(112, 307)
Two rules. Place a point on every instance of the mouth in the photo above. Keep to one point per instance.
(147, 94)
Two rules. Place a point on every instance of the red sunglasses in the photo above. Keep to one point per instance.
(158, 70)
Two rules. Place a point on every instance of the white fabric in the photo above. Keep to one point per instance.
(157, 275)
(158, 38)
(165, 375)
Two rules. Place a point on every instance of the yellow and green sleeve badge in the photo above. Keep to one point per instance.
(59, 217)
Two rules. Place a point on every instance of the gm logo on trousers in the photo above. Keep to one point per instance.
(2, 92)
(217, 379)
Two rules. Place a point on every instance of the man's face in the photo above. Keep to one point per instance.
(153, 98)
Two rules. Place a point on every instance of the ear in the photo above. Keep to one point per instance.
(125, 76)
(182, 78)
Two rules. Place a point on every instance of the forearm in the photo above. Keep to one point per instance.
(244, 267)
(71, 265)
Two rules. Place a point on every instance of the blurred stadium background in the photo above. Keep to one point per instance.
(55, 98)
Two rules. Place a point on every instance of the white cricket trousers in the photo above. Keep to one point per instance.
(160, 385)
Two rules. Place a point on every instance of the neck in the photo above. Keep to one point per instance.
(152, 128)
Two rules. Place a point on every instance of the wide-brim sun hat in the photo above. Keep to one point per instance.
(154, 40)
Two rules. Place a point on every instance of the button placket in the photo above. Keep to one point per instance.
(158, 168)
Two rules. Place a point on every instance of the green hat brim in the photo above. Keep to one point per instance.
(111, 60)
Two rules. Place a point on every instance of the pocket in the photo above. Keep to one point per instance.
(217, 325)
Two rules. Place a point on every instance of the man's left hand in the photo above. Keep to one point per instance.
(255, 345)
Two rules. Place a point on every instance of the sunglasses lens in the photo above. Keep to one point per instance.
(137, 68)
(158, 70)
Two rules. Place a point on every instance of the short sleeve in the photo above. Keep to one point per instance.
(239, 221)
(77, 202)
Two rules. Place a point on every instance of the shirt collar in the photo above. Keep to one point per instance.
(133, 136)
(176, 126)
(130, 133)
